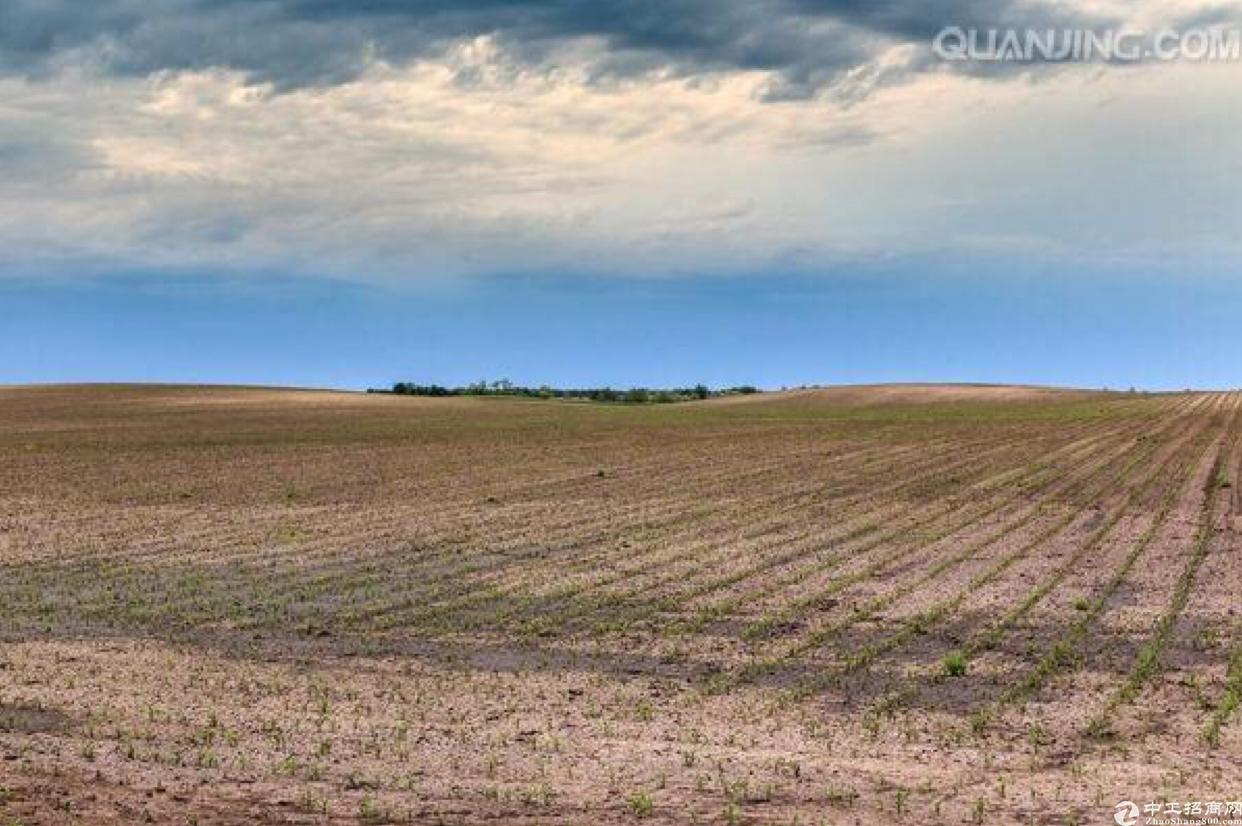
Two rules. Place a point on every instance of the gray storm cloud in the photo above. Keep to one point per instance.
(808, 44)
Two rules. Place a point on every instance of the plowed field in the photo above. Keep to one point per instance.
(866, 605)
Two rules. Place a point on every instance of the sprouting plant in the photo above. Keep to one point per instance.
(790, 768)
(641, 804)
(368, 809)
(537, 796)
(841, 797)
(1208, 638)
(954, 664)
(312, 802)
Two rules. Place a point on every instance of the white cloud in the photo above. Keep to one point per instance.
(469, 162)
(477, 162)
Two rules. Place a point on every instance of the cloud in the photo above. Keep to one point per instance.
(806, 44)
(399, 139)
(398, 172)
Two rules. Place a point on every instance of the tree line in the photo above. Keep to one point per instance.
(633, 395)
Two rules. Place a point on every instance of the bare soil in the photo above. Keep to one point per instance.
(871, 605)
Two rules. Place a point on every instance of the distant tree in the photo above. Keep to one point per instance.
(638, 395)
(505, 387)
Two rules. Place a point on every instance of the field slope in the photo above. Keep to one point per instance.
(916, 604)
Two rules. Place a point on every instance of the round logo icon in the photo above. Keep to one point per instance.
(1127, 814)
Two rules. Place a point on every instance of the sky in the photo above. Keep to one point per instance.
(773, 192)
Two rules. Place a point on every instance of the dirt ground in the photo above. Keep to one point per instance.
(903, 604)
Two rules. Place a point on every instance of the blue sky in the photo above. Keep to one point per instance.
(333, 192)
(885, 324)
